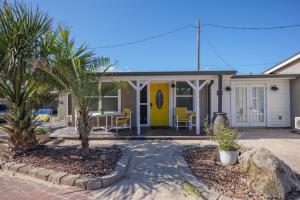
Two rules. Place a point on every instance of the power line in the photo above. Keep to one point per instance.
(145, 39)
(215, 51)
(252, 28)
(193, 26)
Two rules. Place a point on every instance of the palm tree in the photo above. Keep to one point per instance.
(22, 31)
(74, 69)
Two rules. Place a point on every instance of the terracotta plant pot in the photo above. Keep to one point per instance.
(41, 139)
(228, 157)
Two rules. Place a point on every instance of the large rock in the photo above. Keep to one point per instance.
(267, 174)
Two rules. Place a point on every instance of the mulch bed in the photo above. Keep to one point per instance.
(226, 180)
(101, 160)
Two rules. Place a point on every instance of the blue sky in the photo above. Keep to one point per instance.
(107, 22)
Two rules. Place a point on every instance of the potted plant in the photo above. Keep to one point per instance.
(42, 135)
(226, 138)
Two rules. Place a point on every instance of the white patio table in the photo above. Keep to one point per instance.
(105, 115)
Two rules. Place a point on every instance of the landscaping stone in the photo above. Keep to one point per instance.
(267, 174)
(6, 166)
(69, 179)
(82, 182)
(58, 141)
(56, 177)
(120, 170)
(44, 174)
(16, 167)
(222, 197)
(94, 184)
(1, 164)
(110, 179)
(34, 171)
(25, 169)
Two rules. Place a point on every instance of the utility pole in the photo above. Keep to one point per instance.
(198, 44)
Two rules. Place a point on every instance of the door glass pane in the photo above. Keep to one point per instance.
(258, 108)
(144, 106)
(241, 104)
(159, 99)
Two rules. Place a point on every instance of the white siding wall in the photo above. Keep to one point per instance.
(278, 104)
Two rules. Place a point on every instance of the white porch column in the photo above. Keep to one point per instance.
(138, 108)
(197, 90)
(138, 87)
(197, 107)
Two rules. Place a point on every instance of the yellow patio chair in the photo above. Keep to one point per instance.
(182, 117)
(123, 121)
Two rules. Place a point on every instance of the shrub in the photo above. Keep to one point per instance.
(226, 138)
(41, 131)
(208, 126)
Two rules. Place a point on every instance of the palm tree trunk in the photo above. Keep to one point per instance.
(20, 128)
(84, 129)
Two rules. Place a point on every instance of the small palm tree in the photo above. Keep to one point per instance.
(74, 69)
(22, 31)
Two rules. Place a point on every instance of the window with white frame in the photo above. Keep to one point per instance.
(184, 95)
(94, 100)
(110, 97)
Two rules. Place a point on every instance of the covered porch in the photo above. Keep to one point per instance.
(153, 98)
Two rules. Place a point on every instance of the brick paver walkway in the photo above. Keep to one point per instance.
(19, 187)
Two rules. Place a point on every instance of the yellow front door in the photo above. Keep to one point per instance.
(159, 99)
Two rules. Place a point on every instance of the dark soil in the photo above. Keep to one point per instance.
(101, 160)
(205, 164)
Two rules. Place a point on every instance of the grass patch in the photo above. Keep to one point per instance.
(190, 189)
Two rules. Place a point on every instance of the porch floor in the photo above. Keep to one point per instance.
(146, 133)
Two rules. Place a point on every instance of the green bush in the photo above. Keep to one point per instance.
(226, 138)
(41, 131)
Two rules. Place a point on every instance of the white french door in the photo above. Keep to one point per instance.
(257, 105)
(249, 105)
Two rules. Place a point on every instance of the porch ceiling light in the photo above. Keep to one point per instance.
(173, 85)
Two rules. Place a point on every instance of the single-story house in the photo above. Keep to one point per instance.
(249, 100)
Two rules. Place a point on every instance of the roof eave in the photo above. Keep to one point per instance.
(266, 76)
(170, 73)
(282, 63)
